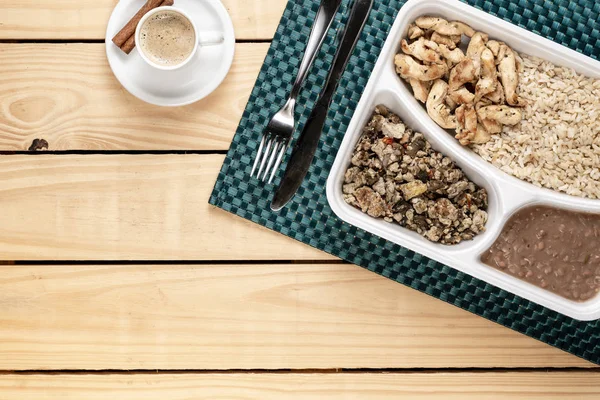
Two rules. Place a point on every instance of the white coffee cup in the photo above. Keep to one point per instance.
(208, 38)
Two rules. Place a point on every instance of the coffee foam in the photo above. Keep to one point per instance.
(167, 38)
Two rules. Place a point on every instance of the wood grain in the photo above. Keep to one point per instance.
(87, 19)
(262, 316)
(372, 386)
(67, 95)
(126, 207)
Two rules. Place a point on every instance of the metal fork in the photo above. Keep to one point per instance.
(276, 137)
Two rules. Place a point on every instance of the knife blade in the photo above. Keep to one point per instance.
(306, 145)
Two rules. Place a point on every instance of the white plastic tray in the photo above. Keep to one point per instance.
(506, 193)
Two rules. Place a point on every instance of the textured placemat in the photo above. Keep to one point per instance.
(308, 217)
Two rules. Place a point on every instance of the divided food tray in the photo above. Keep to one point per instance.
(507, 194)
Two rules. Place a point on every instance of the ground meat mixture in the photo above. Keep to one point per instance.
(396, 175)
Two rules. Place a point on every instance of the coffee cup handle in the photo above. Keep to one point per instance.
(210, 38)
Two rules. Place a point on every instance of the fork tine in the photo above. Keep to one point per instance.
(278, 162)
(258, 154)
(265, 156)
(271, 159)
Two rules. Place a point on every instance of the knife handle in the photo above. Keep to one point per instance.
(347, 39)
(323, 20)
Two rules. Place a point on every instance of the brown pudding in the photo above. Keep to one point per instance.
(555, 249)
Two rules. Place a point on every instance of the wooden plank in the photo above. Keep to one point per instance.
(218, 317)
(87, 19)
(125, 207)
(373, 386)
(67, 95)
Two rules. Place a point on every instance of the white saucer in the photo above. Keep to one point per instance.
(194, 81)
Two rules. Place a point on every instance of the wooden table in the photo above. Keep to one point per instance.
(118, 279)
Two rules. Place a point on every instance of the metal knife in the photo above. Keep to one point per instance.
(306, 146)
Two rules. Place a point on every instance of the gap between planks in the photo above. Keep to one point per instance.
(111, 152)
(97, 41)
(168, 262)
(313, 371)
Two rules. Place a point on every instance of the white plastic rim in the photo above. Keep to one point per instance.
(506, 193)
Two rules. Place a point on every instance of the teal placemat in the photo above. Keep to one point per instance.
(308, 217)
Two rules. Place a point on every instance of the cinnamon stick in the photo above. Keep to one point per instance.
(129, 44)
(129, 28)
